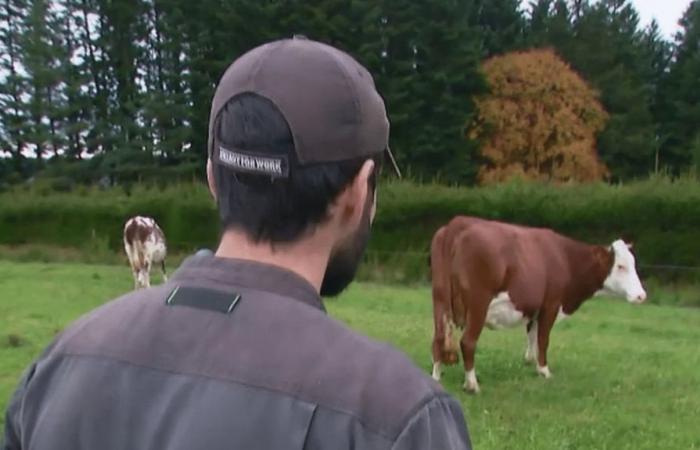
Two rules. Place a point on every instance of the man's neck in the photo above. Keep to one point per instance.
(307, 257)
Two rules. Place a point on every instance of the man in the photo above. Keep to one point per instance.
(236, 351)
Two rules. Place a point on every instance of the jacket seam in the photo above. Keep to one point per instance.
(360, 420)
(430, 398)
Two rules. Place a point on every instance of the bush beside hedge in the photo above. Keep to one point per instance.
(660, 215)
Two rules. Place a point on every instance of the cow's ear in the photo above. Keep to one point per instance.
(605, 255)
(629, 245)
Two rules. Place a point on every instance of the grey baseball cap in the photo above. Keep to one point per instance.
(328, 99)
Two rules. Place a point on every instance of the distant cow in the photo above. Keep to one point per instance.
(145, 246)
(501, 275)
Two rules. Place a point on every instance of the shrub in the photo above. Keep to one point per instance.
(661, 216)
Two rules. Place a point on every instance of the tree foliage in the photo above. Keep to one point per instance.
(111, 79)
(680, 95)
(539, 122)
(605, 43)
(127, 84)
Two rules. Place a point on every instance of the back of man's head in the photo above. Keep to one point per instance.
(292, 124)
(265, 208)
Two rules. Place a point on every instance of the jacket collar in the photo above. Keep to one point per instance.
(248, 274)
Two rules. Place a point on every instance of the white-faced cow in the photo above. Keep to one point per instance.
(145, 246)
(501, 275)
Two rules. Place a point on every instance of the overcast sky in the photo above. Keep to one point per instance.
(666, 12)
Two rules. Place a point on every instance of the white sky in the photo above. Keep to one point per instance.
(666, 12)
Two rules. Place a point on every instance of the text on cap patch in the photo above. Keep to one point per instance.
(275, 166)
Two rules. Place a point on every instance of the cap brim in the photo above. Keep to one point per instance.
(389, 157)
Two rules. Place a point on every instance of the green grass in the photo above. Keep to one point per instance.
(625, 377)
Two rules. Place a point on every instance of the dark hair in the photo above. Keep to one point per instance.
(282, 209)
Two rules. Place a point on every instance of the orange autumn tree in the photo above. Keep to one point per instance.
(539, 122)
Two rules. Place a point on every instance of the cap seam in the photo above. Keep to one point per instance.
(251, 84)
(259, 91)
(253, 74)
(347, 79)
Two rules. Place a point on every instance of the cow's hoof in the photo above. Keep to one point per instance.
(436, 371)
(544, 371)
(471, 388)
(471, 385)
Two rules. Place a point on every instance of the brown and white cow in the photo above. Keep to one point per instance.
(501, 275)
(145, 246)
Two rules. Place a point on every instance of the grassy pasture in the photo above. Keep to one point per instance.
(625, 377)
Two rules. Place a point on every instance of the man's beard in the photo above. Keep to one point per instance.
(344, 261)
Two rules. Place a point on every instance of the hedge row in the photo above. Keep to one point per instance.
(660, 215)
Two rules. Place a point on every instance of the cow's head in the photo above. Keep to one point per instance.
(623, 279)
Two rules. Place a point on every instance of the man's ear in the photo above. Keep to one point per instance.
(210, 179)
(355, 196)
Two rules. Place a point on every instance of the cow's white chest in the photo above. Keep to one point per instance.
(502, 313)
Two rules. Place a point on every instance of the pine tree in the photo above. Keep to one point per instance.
(659, 52)
(625, 76)
(42, 60)
(501, 26)
(13, 87)
(78, 111)
(164, 99)
(88, 28)
(603, 42)
(429, 73)
(123, 35)
(681, 96)
(550, 24)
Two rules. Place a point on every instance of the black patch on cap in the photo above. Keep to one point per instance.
(202, 298)
(275, 166)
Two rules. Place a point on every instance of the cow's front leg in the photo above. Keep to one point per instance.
(544, 328)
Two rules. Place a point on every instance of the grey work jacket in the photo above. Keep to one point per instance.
(241, 356)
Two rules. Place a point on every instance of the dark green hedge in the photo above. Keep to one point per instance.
(661, 216)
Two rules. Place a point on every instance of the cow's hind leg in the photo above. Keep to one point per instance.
(438, 339)
(531, 351)
(437, 371)
(444, 348)
(437, 353)
(134, 271)
(137, 283)
(544, 328)
(146, 271)
(162, 268)
(476, 317)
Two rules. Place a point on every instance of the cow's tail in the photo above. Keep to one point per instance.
(444, 345)
(128, 243)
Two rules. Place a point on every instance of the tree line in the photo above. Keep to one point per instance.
(121, 89)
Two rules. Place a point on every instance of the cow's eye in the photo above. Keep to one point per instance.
(621, 267)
